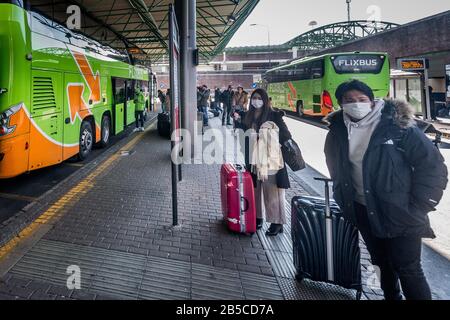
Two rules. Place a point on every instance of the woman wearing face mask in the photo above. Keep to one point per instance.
(387, 176)
(272, 189)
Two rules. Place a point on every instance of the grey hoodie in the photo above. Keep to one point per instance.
(359, 135)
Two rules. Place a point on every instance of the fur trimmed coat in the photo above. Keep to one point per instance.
(404, 173)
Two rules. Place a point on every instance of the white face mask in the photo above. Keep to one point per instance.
(358, 110)
(258, 104)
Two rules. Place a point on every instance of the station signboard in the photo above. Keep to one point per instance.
(414, 64)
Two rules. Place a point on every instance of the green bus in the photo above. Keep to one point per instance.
(60, 91)
(306, 86)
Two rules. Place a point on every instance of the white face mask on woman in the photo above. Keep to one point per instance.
(358, 110)
(258, 104)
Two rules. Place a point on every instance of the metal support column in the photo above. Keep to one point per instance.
(186, 16)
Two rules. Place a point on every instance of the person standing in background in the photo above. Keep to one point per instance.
(240, 100)
(227, 99)
(139, 102)
(168, 101)
(162, 100)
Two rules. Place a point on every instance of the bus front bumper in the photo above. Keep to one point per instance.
(14, 156)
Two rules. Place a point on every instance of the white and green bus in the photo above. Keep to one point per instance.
(307, 86)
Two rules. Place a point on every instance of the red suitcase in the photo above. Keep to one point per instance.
(238, 199)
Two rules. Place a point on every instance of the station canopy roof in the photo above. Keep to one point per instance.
(141, 26)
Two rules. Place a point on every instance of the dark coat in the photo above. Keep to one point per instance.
(275, 116)
(227, 98)
(404, 173)
(217, 96)
(203, 97)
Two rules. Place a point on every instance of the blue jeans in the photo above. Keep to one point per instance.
(204, 110)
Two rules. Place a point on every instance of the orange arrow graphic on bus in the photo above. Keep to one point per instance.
(76, 103)
(92, 81)
(78, 106)
(292, 97)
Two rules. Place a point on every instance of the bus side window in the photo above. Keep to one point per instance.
(317, 69)
(302, 72)
(130, 90)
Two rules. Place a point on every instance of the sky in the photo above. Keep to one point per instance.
(287, 19)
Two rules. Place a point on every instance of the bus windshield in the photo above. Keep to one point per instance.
(16, 2)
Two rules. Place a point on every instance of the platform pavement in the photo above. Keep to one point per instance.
(115, 225)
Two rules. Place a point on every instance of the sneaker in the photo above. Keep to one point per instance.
(142, 129)
(136, 130)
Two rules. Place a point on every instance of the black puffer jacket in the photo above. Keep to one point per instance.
(275, 116)
(404, 173)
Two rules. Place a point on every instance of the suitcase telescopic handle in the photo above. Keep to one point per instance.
(328, 230)
(327, 196)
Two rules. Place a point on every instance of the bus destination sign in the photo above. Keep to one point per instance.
(413, 64)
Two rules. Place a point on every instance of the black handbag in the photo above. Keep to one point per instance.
(292, 155)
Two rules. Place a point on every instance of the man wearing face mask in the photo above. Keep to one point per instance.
(387, 176)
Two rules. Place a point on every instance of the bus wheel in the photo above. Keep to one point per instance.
(300, 112)
(86, 140)
(106, 131)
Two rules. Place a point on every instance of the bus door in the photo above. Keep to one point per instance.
(129, 104)
(304, 87)
(118, 109)
(317, 72)
(46, 132)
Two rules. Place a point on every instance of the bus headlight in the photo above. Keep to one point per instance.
(5, 118)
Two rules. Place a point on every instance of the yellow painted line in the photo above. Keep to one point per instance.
(19, 197)
(71, 197)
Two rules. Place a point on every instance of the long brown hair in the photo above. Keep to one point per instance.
(266, 110)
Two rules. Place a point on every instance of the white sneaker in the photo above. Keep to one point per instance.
(136, 130)
(142, 129)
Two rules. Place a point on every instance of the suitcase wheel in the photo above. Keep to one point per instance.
(358, 295)
(299, 277)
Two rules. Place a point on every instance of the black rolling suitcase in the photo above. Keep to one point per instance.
(164, 124)
(326, 246)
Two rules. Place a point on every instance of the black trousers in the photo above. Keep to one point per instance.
(226, 113)
(399, 260)
(139, 118)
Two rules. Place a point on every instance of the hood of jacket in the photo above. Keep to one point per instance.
(401, 112)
